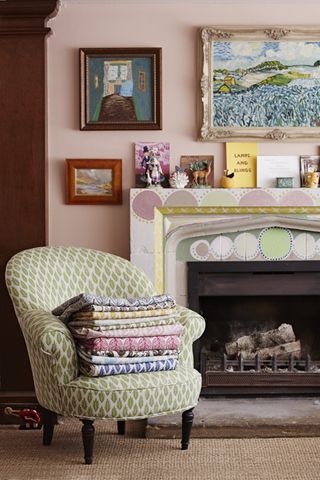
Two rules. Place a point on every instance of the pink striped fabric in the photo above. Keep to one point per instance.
(171, 342)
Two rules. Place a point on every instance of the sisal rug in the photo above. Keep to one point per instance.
(22, 457)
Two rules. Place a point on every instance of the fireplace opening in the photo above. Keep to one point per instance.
(262, 326)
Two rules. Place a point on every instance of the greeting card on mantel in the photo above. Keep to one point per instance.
(241, 158)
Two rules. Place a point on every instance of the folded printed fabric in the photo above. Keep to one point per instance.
(132, 314)
(84, 300)
(170, 342)
(129, 353)
(142, 308)
(103, 360)
(86, 333)
(92, 370)
(124, 322)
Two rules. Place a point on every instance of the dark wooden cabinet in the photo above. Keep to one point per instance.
(23, 35)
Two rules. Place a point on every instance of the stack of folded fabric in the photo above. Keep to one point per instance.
(115, 336)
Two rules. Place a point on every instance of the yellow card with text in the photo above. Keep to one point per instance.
(241, 158)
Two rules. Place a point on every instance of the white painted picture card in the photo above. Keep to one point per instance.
(269, 168)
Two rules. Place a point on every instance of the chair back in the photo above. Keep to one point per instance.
(44, 277)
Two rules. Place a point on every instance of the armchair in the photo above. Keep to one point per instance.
(41, 278)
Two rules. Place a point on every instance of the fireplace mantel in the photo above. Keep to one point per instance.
(214, 224)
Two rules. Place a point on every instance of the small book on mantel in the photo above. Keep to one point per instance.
(241, 158)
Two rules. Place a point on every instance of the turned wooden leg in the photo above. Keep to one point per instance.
(187, 419)
(49, 420)
(88, 440)
(121, 427)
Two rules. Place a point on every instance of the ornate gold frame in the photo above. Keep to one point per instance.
(208, 35)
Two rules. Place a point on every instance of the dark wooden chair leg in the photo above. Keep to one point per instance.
(187, 419)
(49, 420)
(88, 440)
(121, 427)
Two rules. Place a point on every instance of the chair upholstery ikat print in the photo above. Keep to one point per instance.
(42, 278)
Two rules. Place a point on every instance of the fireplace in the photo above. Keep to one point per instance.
(239, 299)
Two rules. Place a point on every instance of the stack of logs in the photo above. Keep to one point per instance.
(280, 342)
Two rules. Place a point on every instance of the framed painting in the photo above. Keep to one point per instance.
(94, 181)
(204, 161)
(120, 89)
(260, 82)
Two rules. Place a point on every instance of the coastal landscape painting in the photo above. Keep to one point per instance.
(266, 84)
(94, 181)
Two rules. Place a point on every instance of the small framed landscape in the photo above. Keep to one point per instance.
(94, 181)
(120, 89)
(261, 82)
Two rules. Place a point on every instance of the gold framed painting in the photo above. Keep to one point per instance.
(259, 82)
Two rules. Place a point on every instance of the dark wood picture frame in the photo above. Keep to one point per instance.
(120, 89)
(85, 186)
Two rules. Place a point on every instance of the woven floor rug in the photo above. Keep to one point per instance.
(22, 457)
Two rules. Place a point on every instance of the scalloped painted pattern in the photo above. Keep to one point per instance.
(40, 279)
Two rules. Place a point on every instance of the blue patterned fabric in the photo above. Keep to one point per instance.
(105, 360)
(105, 370)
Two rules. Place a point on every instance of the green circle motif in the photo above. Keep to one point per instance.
(275, 243)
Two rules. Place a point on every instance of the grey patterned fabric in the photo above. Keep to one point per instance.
(79, 302)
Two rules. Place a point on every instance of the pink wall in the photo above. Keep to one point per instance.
(172, 27)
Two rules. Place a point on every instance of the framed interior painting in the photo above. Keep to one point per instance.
(120, 89)
(96, 181)
(261, 82)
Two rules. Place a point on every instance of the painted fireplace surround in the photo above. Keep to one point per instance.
(170, 227)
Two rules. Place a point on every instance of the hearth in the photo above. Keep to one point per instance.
(245, 301)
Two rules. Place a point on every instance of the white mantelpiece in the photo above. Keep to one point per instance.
(170, 227)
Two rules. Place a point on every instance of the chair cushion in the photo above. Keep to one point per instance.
(131, 396)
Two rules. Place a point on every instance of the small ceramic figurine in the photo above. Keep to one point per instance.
(179, 178)
(155, 170)
(227, 180)
(153, 174)
(311, 179)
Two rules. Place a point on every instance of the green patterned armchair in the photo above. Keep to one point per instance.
(42, 278)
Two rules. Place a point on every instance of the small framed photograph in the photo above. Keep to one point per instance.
(309, 164)
(271, 168)
(120, 89)
(152, 164)
(94, 181)
(205, 162)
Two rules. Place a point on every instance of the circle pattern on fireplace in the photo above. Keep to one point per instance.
(304, 246)
(221, 247)
(275, 243)
(246, 246)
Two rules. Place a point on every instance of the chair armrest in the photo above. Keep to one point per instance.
(49, 342)
(194, 325)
